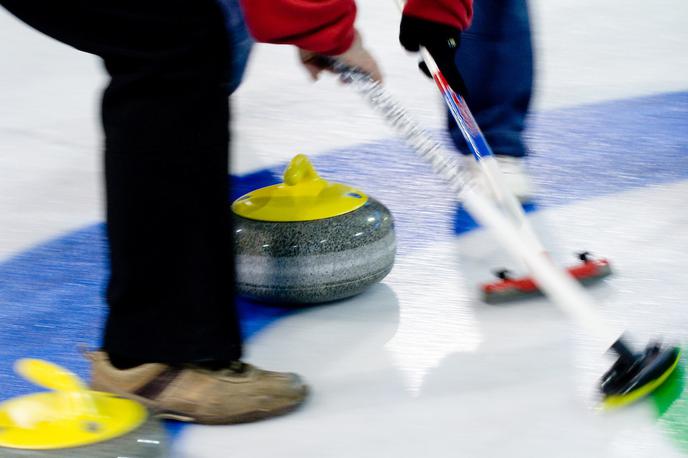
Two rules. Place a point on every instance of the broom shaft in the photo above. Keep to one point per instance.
(555, 283)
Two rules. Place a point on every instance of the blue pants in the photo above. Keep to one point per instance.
(496, 61)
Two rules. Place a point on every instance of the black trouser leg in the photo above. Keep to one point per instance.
(165, 118)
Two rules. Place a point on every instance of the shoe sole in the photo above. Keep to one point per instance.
(246, 417)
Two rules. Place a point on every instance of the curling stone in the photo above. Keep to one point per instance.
(72, 421)
(309, 241)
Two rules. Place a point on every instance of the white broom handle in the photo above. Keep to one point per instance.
(556, 284)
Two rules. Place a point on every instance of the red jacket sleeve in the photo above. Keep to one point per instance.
(457, 13)
(322, 26)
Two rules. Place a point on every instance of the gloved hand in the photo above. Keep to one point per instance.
(356, 56)
(441, 40)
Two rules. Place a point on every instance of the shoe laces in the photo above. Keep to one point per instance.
(237, 367)
(226, 368)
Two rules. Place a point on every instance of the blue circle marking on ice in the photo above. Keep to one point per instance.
(51, 297)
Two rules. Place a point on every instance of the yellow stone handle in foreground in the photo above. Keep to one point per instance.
(44, 374)
(68, 416)
(48, 375)
(76, 399)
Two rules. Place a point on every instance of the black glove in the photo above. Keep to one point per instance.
(442, 42)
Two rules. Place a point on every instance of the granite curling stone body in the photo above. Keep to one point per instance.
(72, 421)
(308, 241)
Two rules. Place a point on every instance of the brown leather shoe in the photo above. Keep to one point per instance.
(237, 394)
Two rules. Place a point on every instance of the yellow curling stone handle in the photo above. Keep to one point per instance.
(304, 196)
(69, 416)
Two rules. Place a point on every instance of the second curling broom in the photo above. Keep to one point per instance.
(634, 374)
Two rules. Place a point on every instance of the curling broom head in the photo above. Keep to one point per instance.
(635, 376)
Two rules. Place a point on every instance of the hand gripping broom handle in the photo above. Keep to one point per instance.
(556, 284)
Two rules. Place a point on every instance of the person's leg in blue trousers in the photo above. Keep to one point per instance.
(496, 61)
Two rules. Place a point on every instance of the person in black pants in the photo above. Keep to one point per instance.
(165, 115)
(172, 337)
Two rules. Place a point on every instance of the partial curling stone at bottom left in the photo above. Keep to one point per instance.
(73, 421)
